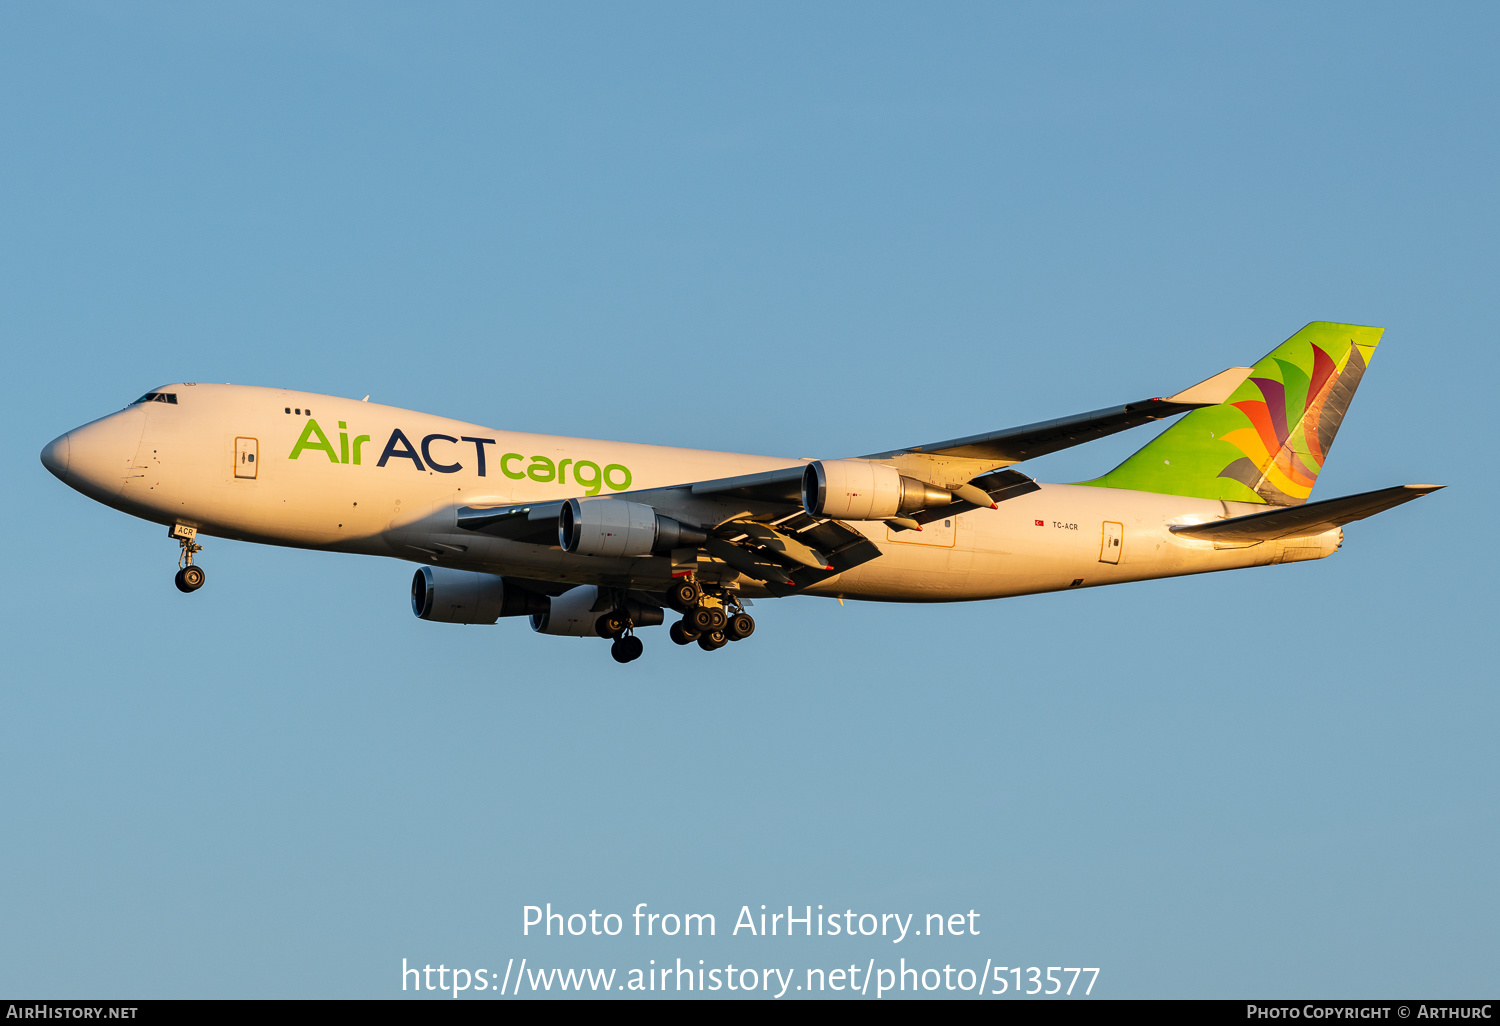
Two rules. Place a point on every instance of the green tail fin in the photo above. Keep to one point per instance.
(1268, 442)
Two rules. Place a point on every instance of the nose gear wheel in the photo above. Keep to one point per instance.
(189, 577)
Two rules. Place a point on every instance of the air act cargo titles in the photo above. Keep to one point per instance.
(586, 474)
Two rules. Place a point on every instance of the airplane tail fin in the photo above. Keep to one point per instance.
(1268, 442)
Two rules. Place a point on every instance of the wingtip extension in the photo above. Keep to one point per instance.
(1212, 391)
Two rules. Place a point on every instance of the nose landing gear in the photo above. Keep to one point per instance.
(189, 577)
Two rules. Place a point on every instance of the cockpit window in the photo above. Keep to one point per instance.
(157, 397)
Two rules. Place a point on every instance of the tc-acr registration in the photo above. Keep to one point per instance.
(594, 538)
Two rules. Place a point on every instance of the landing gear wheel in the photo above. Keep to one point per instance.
(682, 634)
(684, 594)
(720, 619)
(627, 649)
(189, 579)
(703, 619)
(712, 640)
(611, 625)
(740, 627)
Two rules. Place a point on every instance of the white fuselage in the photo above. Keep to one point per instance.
(386, 481)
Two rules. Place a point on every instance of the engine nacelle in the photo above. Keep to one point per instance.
(861, 490)
(445, 595)
(572, 614)
(616, 527)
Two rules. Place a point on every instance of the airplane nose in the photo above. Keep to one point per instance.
(95, 458)
(55, 456)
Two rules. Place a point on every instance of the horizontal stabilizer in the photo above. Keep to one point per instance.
(1308, 519)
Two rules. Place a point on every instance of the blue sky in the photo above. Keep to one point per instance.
(805, 231)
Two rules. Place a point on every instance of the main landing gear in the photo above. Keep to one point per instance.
(712, 620)
(617, 625)
(189, 577)
(626, 649)
(711, 617)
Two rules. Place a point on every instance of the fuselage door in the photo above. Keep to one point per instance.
(1113, 540)
(245, 453)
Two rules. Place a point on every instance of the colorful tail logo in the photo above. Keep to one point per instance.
(1268, 443)
(1292, 425)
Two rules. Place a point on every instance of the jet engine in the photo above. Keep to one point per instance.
(615, 527)
(572, 613)
(861, 490)
(462, 596)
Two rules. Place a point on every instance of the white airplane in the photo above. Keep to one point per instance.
(594, 538)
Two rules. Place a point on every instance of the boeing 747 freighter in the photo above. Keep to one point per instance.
(593, 538)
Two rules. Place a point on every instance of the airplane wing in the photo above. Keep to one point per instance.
(1308, 519)
(536, 523)
(1012, 445)
(789, 551)
(962, 460)
(776, 486)
(786, 548)
(785, 554)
